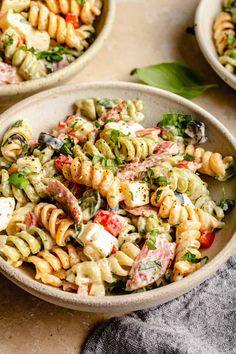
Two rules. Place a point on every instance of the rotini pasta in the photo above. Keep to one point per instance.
(96, 273)
(224, 34)
(178, 209)
(54, 220)
(100, 205)
(187, 242)
(16, 248)
(27, 27)
(96, 177)
(51, 265)
(212, 163)
(56, 26)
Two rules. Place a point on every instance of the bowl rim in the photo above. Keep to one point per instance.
(228, 77)
(116, 302)
(59, 75)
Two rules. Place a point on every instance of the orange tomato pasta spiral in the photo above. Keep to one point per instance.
(51, 265)
(223, 26)
(45, 20)
(212, 163)
(55, 221)
(96, 177)
(187, 240)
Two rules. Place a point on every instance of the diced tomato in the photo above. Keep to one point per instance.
(74, 19)
(112, 222)
(166, 146)
(61, 161)
(21, 40)
(113, 113)
(114, 250)
(189, 165)
(150, 131)
(207, 238)
(31, 219)
(62, 125)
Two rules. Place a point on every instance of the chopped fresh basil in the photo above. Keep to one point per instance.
(19, 180)
(150, 265)
(115, 135)
(81, 2)
(8, 40)
(162, 181)
(151, 242)
(231, 39)
(98, 125)
(55, 54)
(227, 205)
(179, 121)
(191, 258)
(158, 195)
(189, 157)
(67, 146)
(107, 162)
(175, 77)
(106, 103)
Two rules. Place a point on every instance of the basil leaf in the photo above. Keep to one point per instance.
(19, 180)
(158, 195)
(67, 146)
(150, 265)
(173, 77)
(177, 120)
(191, 258)
(107, 162)
(189, 157)
(81, 2)
(106, 103)
(151, 242)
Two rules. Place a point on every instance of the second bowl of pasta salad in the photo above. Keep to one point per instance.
(43, 43)
(114, 195)
(215, 25)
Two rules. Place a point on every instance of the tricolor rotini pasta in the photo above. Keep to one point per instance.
(40, 37)
(100, 205)
(224, 35)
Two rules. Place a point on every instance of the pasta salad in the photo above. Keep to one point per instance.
(101, 205)
(224, 35)
(40, 37)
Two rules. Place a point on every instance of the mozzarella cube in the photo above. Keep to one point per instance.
(135, 194)
(122, 126)
(39, 40)
(16, 5)
(98, 243)
(7, 206)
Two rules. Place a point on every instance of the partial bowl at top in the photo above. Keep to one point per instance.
(206, 13)
(10, 93)
(44, 110)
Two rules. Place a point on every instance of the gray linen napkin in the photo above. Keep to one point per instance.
(201, 321)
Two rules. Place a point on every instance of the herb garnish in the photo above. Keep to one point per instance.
(115, 135)
(189, 157)
(179, 121)
(158, 195)
(67, 146)
(19, 180)
(191, 258)
(174, 77)
(231, 40)
(81, 2)
(151, 242)
(161, 180)
(150, 265)
(106, 103)
(107, 162)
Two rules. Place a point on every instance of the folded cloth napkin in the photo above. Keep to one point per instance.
(201, 321)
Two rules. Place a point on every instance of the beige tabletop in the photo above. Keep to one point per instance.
(145, 32)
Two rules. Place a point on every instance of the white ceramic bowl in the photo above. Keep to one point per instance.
(44, 110)
(206, 12)
(12, 93)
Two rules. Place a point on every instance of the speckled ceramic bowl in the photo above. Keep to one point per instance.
(10, 94)
(206, 12)
(44, 110)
